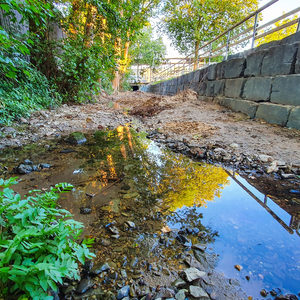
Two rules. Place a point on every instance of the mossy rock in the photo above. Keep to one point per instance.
(76, 138)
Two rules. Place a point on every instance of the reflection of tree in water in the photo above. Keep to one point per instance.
(189, 183)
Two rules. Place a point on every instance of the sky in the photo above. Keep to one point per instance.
(269, 14)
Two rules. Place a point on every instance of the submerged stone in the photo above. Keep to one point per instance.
(123, 292)
(76, 138)
(198, 292)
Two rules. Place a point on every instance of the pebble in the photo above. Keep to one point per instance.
(238, 267)
(97, 269)
(130, 224)
(24, 169)
(85, 210)
(123, 292)
(264, 293)
(84, 285)
(178, 283)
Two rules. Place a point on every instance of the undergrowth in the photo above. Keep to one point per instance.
(22, 95)
(38, 247)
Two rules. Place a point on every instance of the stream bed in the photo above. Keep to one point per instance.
(152, 213)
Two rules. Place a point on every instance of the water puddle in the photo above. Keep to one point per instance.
(152, 213)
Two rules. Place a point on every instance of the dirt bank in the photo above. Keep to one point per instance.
(179, 117)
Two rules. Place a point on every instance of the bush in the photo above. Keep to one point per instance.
(24, 94)
(38, 247)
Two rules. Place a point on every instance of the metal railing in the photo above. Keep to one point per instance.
(228, 43)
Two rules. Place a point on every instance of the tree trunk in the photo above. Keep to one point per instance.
(197, 43)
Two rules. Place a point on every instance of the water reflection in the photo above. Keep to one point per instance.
(173, 203)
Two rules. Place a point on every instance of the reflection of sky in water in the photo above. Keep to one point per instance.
(251, 237)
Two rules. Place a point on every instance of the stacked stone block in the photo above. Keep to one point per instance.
(263, 83)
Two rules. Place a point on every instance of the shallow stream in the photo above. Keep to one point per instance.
(145, 207)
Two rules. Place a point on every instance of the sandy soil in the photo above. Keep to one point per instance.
(182, 116)
(205, 123)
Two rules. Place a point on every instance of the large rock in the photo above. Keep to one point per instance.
(254, 63)
(294, 118)
(76, 138)
(273, 113)
(247, 107)
(198, 293)
(279, 60)
(234, 68)
(192, 274)
(211, 72)
(220, 68)
(286, 90)
(257, 89)
(215, 88)
(234, 87)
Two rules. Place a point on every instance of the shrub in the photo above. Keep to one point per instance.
(24, 94)
(38, 247)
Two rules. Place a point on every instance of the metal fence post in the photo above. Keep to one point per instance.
(227, 44)
(254, 31)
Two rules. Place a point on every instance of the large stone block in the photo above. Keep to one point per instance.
(196, 76)
(273, 113)
(257, 89)
(219, 87)
(279, 60)
(211, 72)
(234, 68)
(297, 65)
(247, 107)
(254, 63)
(202, 88)
(220, 70)
(210, 85)
(234, 87)
(294, 118)
(286, 90)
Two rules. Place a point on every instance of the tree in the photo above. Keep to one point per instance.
(146, 50)
(280, 34)
(192, 23)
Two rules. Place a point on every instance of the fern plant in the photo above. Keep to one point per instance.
(38, 247)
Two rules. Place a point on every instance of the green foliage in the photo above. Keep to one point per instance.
(146, 50)
(38, 247)
(25, 94)
(191, 23)
(80, 70)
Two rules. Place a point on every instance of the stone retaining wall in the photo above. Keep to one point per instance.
(263, 82)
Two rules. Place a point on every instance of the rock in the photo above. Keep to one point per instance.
(76, 138)
(180, 295)
(184, 240)
(166, 293)
(24, 121)
(275, 292)
(297, 192)
(178, 283)
(192, 274)
(265, 158)
(130, 224)
(24, 169)
(286, 297)
(247, 277)
(198, 292)
(99, 268)
(114, 230)
(44, 166)
(84, 285)
(238, 267)
(287, 176)
(201, 247)
(123, 292)
(272, 167)
(264, 293)
(28, 162)
(234, 146)
(85, 210)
